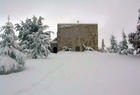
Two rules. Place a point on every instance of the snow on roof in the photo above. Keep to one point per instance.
(65, 25)
(61, 25)
(54, 42)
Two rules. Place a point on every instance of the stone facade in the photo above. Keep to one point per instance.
(75, 35)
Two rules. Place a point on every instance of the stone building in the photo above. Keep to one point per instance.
(75, 35)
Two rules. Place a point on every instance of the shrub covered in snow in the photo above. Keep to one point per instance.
(102, 50)
(9, 65)
(130, 51)
(14, 54)
(123, 52)
(65, 48)
(87, 48)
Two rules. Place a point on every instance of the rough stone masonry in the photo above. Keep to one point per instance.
(75, 35)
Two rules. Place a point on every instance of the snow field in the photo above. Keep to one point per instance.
(75, 73)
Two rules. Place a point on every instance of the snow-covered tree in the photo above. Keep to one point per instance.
(8, 36)
(8, 47)
(33, 40)
(102, 49)
(41, 41)
(25, 36)
(123, 45)
(134, 38)
(114, 46)
(103, 44)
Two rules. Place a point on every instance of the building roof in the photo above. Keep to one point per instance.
(54, 40)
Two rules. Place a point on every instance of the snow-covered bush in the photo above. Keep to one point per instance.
(102, 50)
(9, 54)
(130, 51)
(110, 50)
(65, 48)
(123, 52)
(9, 65)
(87, 48)
(13, 53)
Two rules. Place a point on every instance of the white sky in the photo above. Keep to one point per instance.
(112, 16)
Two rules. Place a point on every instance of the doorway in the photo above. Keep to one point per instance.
(77, 48)
(55, 50)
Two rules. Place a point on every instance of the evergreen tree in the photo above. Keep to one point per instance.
(102, 49)
(123, 46)
(26, 30)
(114, 46)
(134, 38)
(8, 47)
(41, 42)
(8, 36)
(103, 45)
(33, 40)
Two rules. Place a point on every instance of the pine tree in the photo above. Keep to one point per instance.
(33, 40)
(26, 30)
(103, 45)
(134, 38)
(8, 48)
(123, 46)
(8, 36)
(114, 46)
(41, 42)
(102, 49)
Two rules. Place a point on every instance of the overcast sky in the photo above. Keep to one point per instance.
(112, 16)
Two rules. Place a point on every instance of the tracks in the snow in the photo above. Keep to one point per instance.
(24, 90)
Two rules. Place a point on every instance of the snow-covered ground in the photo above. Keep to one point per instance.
(75, 73)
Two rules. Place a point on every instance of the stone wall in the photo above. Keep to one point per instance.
(74, 35)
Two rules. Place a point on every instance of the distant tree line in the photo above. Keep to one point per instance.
(122, 47)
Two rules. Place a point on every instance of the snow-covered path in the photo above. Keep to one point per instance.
(75, 73)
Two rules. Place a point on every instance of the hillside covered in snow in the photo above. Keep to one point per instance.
(75, 73)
